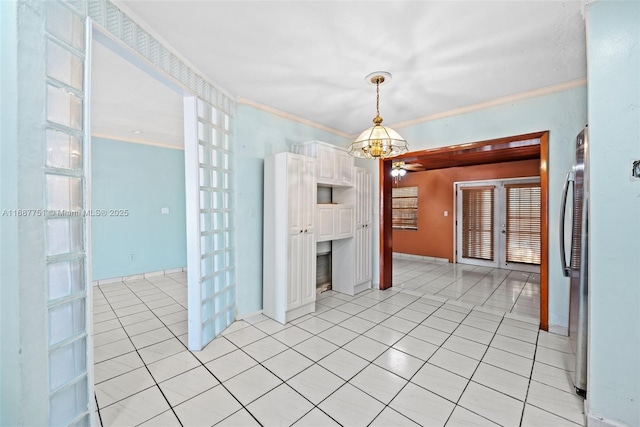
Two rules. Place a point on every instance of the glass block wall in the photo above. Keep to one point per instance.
(65, 192)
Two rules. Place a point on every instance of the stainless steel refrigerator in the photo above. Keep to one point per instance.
(576, 268)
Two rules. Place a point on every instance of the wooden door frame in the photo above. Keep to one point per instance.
(482, 152)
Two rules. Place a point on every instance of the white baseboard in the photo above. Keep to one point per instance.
(400, 255)
(594, 420)
(138, 276)
(248, 315)
(559, 330)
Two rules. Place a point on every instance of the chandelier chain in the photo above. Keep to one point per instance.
(378, 97)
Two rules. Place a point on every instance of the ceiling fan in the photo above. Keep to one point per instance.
(400, 169)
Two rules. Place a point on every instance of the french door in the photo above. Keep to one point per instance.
(498, 223)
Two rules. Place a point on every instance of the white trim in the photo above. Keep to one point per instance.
(137, 141)
(594, 420)
(495, 102)
(559, 330)
(138, 276)
(292, 117)
(401, 255)
(248, 315)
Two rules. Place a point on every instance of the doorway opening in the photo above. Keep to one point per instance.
(520, 147)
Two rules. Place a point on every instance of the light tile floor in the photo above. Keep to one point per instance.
(382, 358)
(505, 290)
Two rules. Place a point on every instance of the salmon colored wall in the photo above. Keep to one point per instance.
(434, 236)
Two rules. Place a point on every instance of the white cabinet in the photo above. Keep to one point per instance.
(352, 258)
(334, 165)
(289, 256)
(334, 222)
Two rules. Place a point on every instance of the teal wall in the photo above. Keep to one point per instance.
(142, 179)
(258, 135)
(563, 114)
(613, 49)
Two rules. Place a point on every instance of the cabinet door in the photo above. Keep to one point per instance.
(344, 217)
(308, 266)
(325, 223)
(295, 170)
(366, 261)
(345, 169)
(359, 255)
(296, 265)
(326, 165)
(308, 194)
(365, 196)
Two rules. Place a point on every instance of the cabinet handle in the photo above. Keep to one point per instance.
(301, 231)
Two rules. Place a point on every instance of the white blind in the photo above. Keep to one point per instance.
(523, 223)
(477, 222)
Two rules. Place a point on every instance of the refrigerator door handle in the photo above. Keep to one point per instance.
(566, 269)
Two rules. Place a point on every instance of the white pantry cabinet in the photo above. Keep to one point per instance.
(334, 222)
(334, 165)
(289, 255)
(352, 258)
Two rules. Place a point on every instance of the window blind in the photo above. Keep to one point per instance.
(477, 222)
(405, 208)
(523, 223)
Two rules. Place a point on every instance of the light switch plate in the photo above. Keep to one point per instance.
(164, 211)
(635, 170)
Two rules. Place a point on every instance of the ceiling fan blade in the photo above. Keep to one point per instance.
(414, 167)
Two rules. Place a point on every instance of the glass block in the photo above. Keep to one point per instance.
(215, 116)
(208, 332)
(207, 308)
(231, 297)
(230, 277)
(227, 161)
(227, 238)
(128, 31)
(229, 259)
(64, 108)
(203, 132)
(218, 241)
(153, 51)
(64, 66)
(65, 278)
(226, 181)
(215, 137)
(63, 150)
(206, 266)
(66, 363)
(206, 177)
(220, 302)
(228, 220)
(227, 122)
(206, 224)
(207, 288)
(141, 42)
(66, 320)
(218, 261)
(207, 243)
(69, 403)
(203, 109)
(206, 200)
(204, 152)
(113, 19)
(227, 142)
(64, 235)
(164, 58)
(219, 282)
(64, 193)
(218, 220)
(64, 24)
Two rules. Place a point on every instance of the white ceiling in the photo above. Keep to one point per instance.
(309, 58)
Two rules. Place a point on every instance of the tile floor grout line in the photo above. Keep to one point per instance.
(146, 367)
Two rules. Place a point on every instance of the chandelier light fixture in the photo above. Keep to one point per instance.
(378, 142)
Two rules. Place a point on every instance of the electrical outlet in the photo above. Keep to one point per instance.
(446, 213)
(164, 211)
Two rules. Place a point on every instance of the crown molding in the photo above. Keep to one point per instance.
(495, 102)
(279, 113)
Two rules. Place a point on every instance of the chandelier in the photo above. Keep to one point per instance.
(378, 142)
